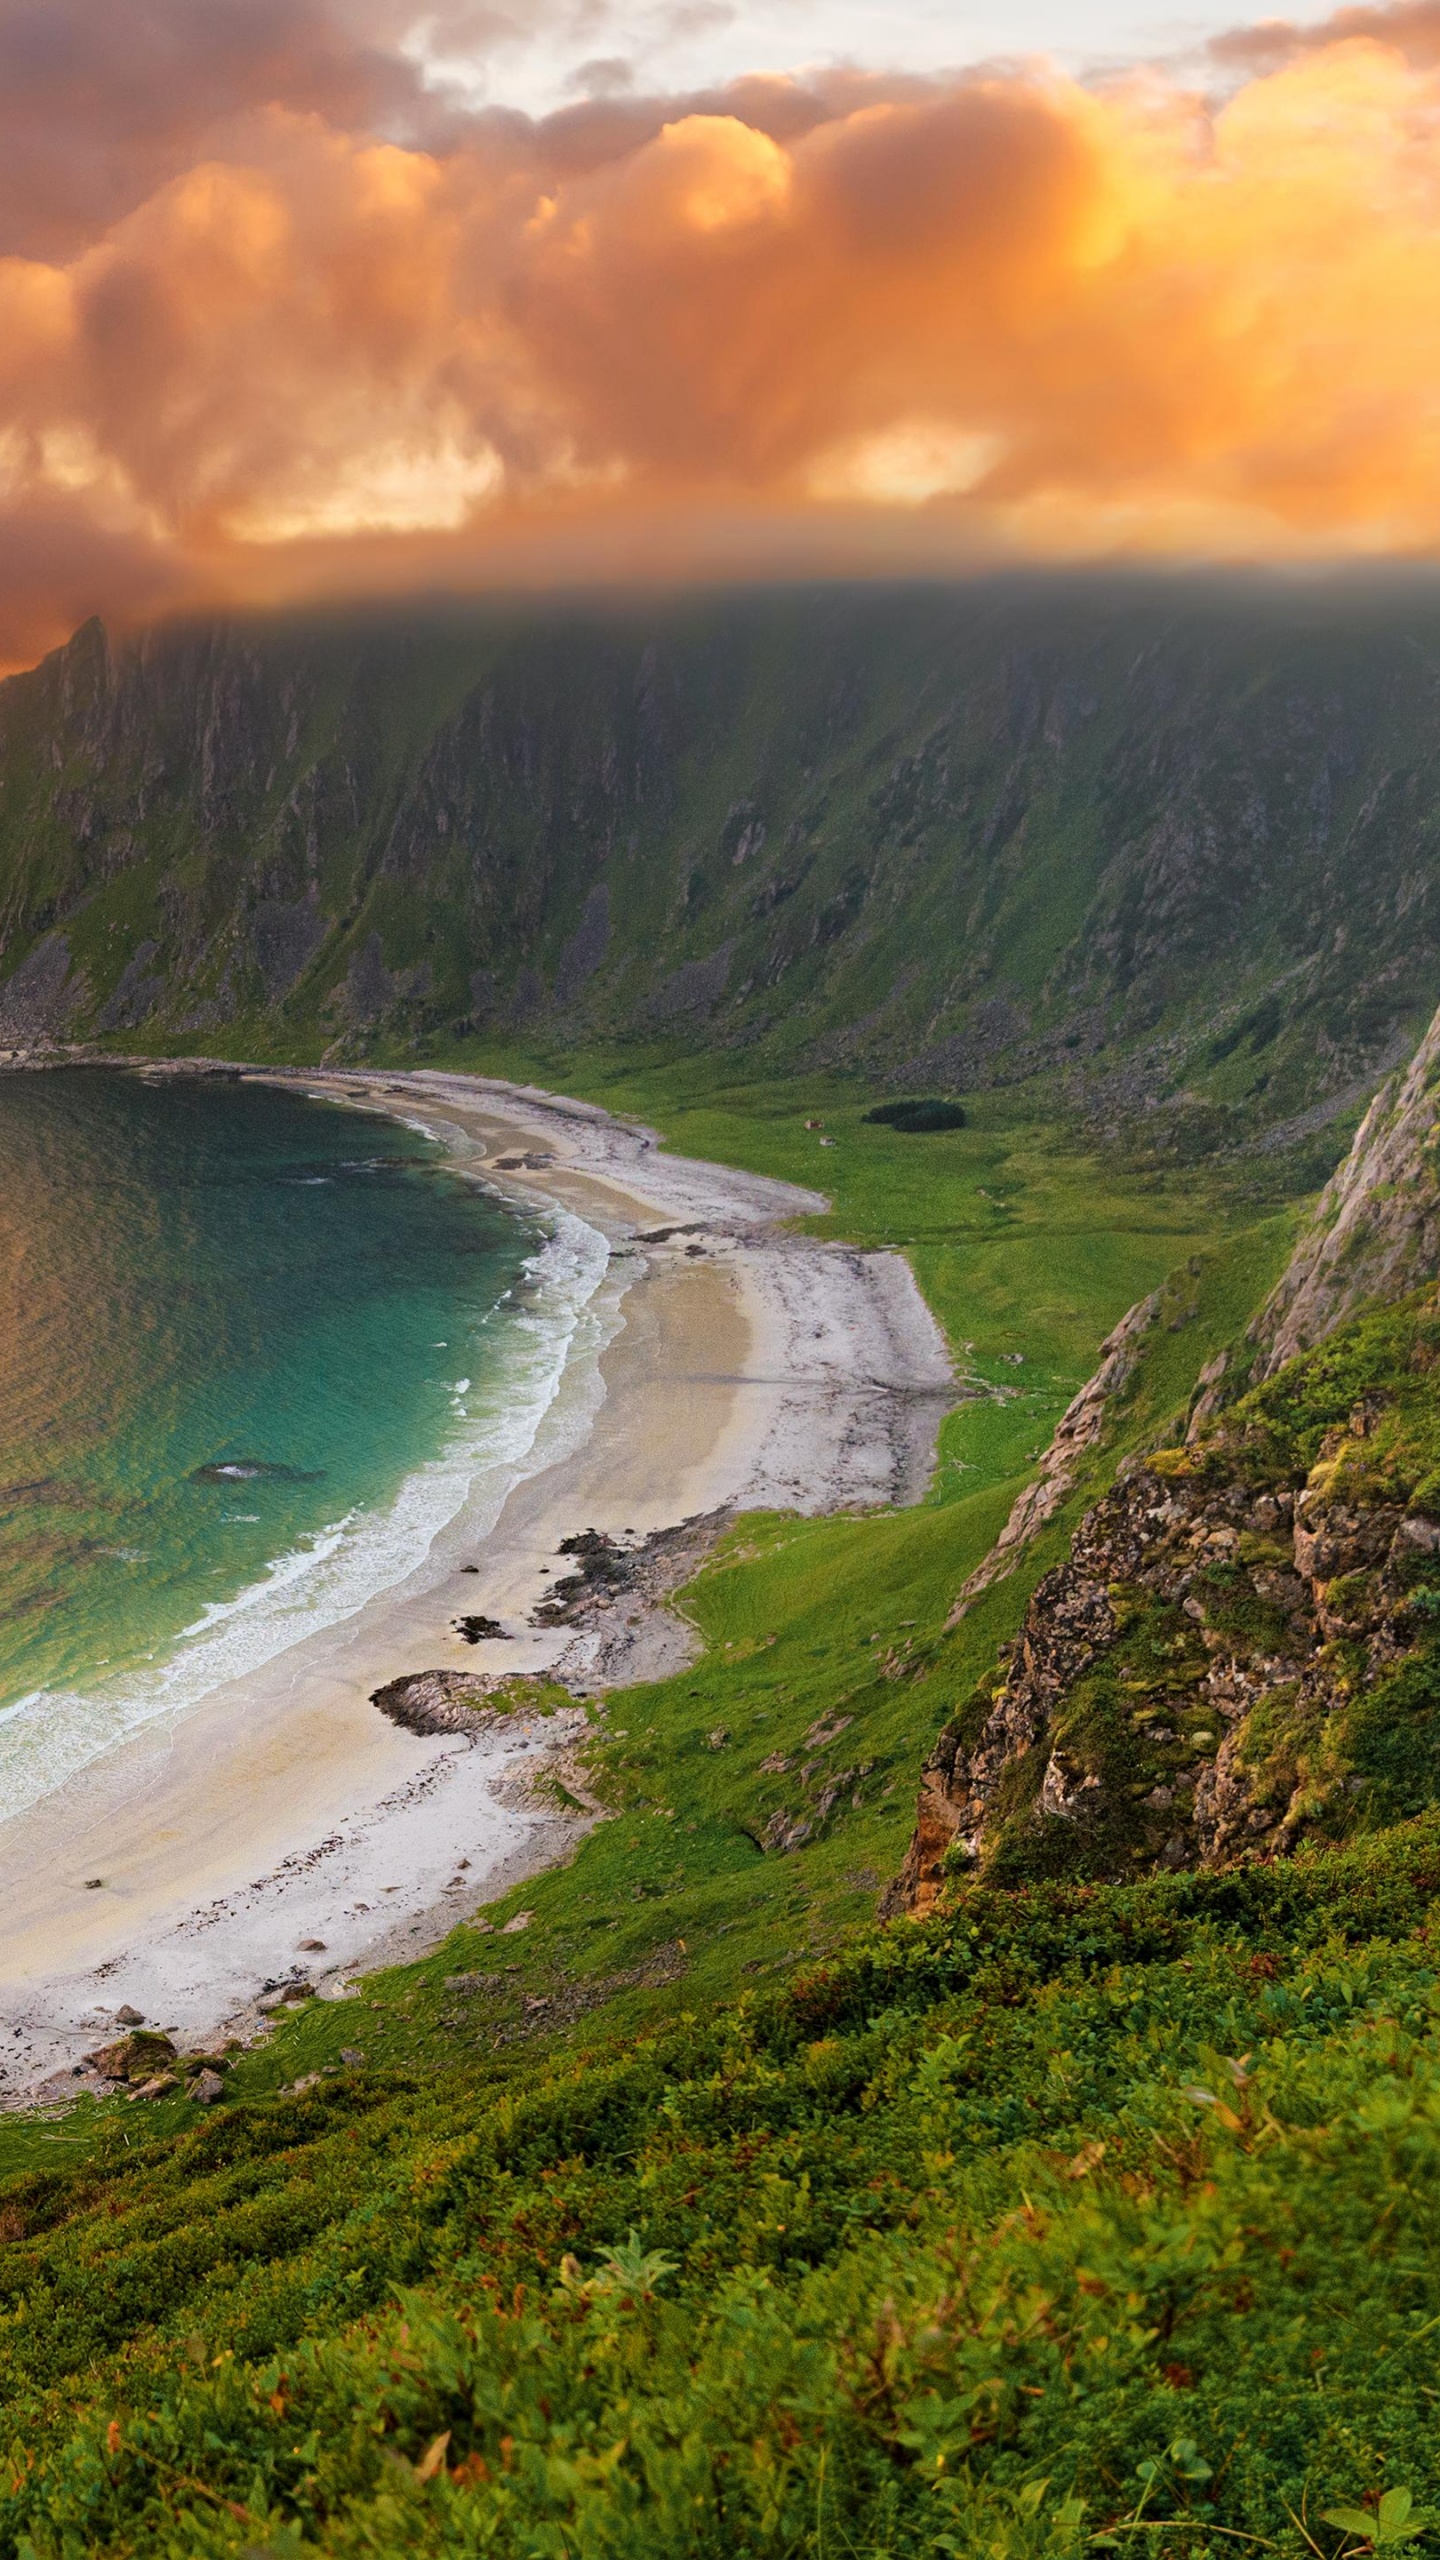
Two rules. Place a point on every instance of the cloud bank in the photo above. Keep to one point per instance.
(279, 319)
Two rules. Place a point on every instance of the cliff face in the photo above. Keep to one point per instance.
(1243, 1643)
(1376, 1230)
(1176, 849)
(1237, 1651)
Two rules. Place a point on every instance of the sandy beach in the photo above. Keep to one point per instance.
(723, 1364)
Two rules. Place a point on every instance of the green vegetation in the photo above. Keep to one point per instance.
(918, 1119)
(1064, 2218)
(1358, 1419)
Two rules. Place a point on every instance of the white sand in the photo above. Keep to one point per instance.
(734, 1364)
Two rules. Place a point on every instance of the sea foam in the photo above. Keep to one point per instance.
(510, 1421)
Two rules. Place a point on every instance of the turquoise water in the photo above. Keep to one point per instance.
(253, 1349)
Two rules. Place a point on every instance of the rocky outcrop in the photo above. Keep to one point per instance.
(1225, 1662)
(43, 995)
(1076, 1434)
(431, 1702)
(1237, 1648)
(1376, 1230)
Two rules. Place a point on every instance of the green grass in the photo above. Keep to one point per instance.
(1066, 2219)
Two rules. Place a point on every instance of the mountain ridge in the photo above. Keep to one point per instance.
(1172, 853)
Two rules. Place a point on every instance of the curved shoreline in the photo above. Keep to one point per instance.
(744, 1368)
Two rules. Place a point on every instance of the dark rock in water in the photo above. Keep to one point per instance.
(254, 1471)
(476, 1627)
(437, 1702)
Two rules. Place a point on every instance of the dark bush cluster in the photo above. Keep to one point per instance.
(918, 1119)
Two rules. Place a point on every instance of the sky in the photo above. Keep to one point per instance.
(310, 300)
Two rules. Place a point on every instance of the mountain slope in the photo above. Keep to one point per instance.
(1238, 1652)
(1176, 846)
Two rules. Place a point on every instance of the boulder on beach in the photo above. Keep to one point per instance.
(437, 1702)
(134, 2057)
(477, 1627)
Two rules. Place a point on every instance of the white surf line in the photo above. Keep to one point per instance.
(50, 1736)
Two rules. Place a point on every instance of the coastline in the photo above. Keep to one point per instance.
(728, 1366)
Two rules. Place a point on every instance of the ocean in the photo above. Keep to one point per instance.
(255, 1350)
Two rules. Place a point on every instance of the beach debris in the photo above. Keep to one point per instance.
(469, 1568)
(93, 1883)
(128, 2017)
(205, 2088)
(133, 2058)
(717, 1739)
(478, 1627)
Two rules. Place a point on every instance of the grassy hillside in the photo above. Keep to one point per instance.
(1063, 2221)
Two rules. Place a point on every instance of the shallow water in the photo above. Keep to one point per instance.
(253, 1351)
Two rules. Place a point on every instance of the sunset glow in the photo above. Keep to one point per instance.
(848, 322)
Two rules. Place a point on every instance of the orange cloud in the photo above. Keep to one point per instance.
(860, 325)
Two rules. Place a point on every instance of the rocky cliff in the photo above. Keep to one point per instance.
(1376, 1230)
(1169, 848)
(1242, 1646)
